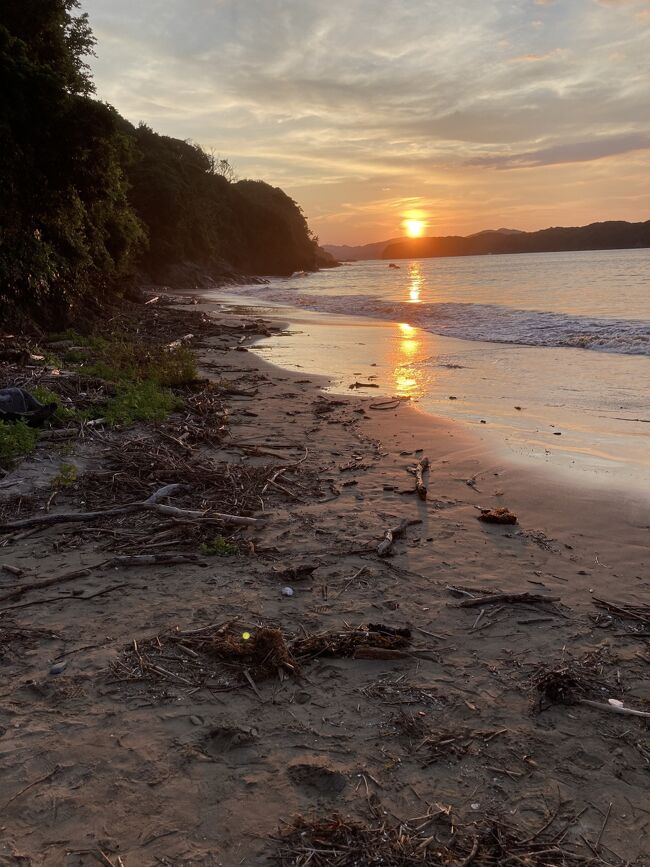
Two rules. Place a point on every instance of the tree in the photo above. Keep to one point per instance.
(64, 210)
(223, 167)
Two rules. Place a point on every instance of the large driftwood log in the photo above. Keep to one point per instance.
(497, 598)
(394, 533)
(418, 470)
(151, 503)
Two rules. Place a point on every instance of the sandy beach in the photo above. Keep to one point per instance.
(136, 752)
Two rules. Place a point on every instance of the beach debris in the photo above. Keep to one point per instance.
(18, 404)
(498, 598)
(363, 385)
(392, 533)
(297, 572)
(580, 682)
(161, 559)
(324, 841)
(46, 582)
(501, 515)
(152, 503)
(287, 591)
(640, 613)
(615, 706)
(352, 642)
(388, 404)
(418, 470)
(58, 667)
(250, 654)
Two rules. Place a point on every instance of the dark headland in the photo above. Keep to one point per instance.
(609, 235)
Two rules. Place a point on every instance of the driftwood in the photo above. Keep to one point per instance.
(634, 612)
(394, 533)
(617, 707)
(150, 504)
(161, 559)
(497, 516)
(379, 653)
(496, 598)
(418, 470)
(47, 582)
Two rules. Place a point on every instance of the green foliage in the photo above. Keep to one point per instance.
(66, 477)
(140, 401)
(219, 547)
(85, 197)
(63, 413)
(123, 361)
(193, 212)
(16, 439)
(64, 210)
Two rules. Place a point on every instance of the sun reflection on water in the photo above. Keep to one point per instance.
(408, 376)
(415, 282)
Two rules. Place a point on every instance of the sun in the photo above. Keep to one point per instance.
(414, 228)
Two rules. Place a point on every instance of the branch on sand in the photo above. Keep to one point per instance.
(384, 547)
(498, 598)
(418, 470)
(152, 503)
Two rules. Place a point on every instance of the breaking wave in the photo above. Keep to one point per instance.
(485, 322)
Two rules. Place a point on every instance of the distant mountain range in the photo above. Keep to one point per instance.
(611, 235)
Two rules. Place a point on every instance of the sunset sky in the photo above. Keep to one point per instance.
(464, 113)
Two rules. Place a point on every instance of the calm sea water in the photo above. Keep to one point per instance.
(528, 346)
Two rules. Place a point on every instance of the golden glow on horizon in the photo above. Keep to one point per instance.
(414, 228)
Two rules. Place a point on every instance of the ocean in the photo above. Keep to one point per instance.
(546, 355)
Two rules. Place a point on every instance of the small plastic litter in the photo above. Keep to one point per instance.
(58, 667)
(287, 591)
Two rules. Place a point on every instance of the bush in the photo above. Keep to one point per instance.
(141, 401)
(129, 362)
(219, 547)
(66, 477)
(16, 439)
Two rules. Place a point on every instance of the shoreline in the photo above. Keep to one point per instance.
(153, 769)
(573, 460)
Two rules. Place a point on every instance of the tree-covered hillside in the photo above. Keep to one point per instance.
(87, 199)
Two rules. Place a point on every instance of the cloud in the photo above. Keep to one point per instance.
(576, 152)
(314, 95)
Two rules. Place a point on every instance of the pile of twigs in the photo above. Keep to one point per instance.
(626, 611)
(242, 654)
(339, 842)
(399, 691)
(566, 683)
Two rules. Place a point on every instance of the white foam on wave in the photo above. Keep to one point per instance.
(485, 322)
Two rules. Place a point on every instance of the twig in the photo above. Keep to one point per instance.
(496, 598)
(31, 785)
(48, 582)
(602, 830)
